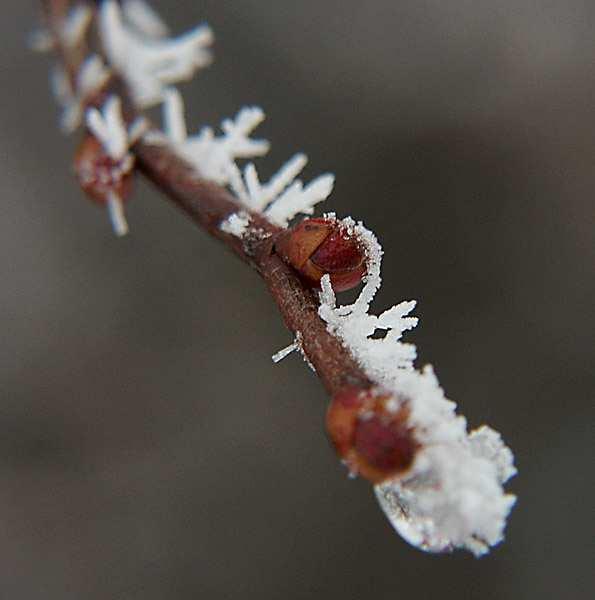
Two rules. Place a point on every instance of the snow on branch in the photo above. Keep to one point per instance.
(149, 63)
(453, 496)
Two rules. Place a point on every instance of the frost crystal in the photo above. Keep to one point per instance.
(109, 127)
(71, 33)
(285, 352)
(295, 346)
(453, 496)
(149, 63)
(381, 357)
(284, 196)
(212, 156)
(91, 77)
(144, 19)
(236, 224)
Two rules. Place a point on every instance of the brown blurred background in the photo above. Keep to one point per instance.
(148, 447)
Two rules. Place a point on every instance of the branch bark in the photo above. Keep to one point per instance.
(207, 205)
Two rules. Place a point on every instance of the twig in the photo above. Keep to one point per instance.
(440, 485)
(207, 205)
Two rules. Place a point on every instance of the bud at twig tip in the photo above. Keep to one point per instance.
(369, 431)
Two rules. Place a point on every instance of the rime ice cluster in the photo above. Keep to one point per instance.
(215, 157)
(109, 128)
(136, 48)
(91, 77)
(453, 496)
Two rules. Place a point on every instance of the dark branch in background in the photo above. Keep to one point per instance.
(207, 205)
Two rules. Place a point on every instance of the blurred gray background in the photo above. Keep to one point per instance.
(148, 447)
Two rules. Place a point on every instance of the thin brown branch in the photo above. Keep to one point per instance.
(207, 205)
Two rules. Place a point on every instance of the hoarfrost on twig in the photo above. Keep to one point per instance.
(453, 495)
(92, 76)
(212, 156)
(284, 196)
(285, 352)
(140, 15)
(109, 127)
(71, 32)
(236, 224)
(149, 63)
(215, 157)
(296, 345)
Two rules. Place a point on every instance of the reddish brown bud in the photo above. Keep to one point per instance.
(99, 174)
(371, 434)
(316, 247)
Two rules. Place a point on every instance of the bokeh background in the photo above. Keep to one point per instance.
(148, 447)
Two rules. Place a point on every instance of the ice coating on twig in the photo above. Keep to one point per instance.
(150, 64)
(453, 496)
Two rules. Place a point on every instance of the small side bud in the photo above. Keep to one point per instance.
(369, 431)
(106, 180)
(316, 247)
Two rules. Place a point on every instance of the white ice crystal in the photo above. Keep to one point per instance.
(284, 196)
(453, 496)
(384, 356)
(92, 75)
(147, 61)
(76, 25)
(71, 33)
(212, 156)
(140, 15)
(285, 352)
(296, 346)
(109, 127)
(215, 157)
(236, 224)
